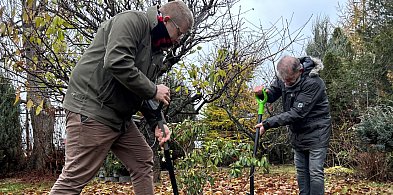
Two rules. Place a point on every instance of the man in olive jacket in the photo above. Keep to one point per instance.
(108, 85)
(306, 113)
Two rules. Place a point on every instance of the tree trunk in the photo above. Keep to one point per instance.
(43, 122)
(43, 128)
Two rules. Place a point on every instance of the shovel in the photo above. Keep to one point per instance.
(156, 109)
(261, 109)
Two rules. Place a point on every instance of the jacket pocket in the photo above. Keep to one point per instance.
(83, 118)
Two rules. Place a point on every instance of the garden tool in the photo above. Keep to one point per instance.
(261, 108)
(156, 109)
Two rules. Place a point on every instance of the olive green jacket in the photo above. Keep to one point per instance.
(117, 72)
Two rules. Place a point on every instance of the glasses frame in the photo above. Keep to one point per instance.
(180, 35)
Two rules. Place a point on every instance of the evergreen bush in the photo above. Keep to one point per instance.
(10, 129)
(376, 129)
(375, 132)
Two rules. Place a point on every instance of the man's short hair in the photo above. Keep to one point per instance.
(287, 66)
(179, 12)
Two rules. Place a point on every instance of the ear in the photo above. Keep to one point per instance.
(167, 18)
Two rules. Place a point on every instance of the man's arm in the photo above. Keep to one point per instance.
(303, 104)
(274, 91)
(123, 41)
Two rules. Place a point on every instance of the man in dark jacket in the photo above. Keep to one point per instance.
(108, 85)
(306, 114)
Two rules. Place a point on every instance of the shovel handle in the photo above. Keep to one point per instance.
(261, 103)
(261, 108)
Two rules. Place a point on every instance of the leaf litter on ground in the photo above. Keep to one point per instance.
(273, 183)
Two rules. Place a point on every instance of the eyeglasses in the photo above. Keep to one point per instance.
(180, 35)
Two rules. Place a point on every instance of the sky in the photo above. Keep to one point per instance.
(266, 12)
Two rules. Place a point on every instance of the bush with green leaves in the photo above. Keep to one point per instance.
(195, 169)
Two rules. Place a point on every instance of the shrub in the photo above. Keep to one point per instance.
(11, 156)
(376, 129)
(195, 168)
(373, 165)
(376, 138)
(113, 167)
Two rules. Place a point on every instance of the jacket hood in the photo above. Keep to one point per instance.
(311, 65)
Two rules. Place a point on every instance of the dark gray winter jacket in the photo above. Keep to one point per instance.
(306, 108)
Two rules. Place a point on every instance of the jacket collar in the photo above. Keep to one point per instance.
(152, 16)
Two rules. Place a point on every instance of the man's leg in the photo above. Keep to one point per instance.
(87, 145)
(317, 178)
(302, 169)
(134, 152)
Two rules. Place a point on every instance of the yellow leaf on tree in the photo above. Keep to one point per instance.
(17, 98)
(29, 105)
(2, 11)
(2, 28)
(39, 108)
(178, 88)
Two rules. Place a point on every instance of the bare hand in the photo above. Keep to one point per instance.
(261, 129)
(163, 94)
(258, 90)
(159, 135)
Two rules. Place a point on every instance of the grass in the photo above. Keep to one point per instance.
(283, 169)
(8, 187)
(17, 186)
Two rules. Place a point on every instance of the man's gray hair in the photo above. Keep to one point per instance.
(287, 66)
(179, 12)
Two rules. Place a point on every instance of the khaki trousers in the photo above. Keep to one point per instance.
(87, 144)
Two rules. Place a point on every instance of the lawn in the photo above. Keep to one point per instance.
(281, 180)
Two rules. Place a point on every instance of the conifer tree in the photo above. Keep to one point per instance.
(10, 129)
